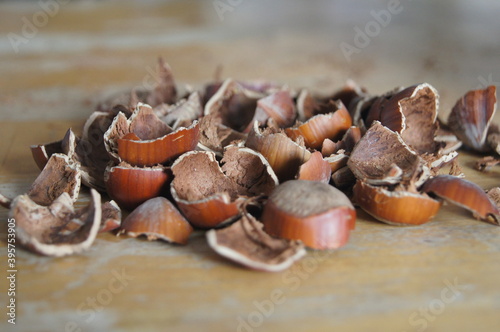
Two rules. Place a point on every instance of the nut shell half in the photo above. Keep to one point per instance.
(161, 150)
(131, 186)
(471, 116)
(50, 230)
(245, 243)
(322, 126)
(157, 218)
(395, 207)
(316, 213)
(464, 193)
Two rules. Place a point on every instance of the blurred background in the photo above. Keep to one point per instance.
(59, 57)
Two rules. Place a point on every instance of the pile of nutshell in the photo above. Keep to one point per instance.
(264, 169)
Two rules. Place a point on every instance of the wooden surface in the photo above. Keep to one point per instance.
(386, 279)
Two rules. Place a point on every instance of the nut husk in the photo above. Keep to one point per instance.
(245, 243)
(316, 213)
(50, 230)
(157, 218)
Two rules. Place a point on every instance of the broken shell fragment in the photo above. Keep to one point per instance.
(485, 164)
(316, 213)
(278, 106)
(249, 170)
(412, 112)
(315, 169)
(59, 175)
(343, 179)
(5, 201)
(381, 157)
(494, 195)
(145, 140)
(322, 126)
(157, 218)
(201, 190)
(44, 229)
(111, 217)
(181, 114)
(235, 104)
(209, 195)
(245, 243)
(471, 116)
(158, 151)
(165, 91)
(130, 186)
(215, 136)
(41, 153)
(399, 207)
(306, 105)
(465, 194)
(349, 93)
(284, 155)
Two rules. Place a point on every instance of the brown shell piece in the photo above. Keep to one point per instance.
(5, 201)
(471, 116)
(160, 150)
(346, 144)
(157, 218)
(349, 140)
(395, 207)
(59, 175)
(201, 190)
(328, 147)
(215, 136)
(143, 122)
(209, 195)
(284, 155)
(131, 186)
(41, 153)
(337, 161)
(316, 213)
(465, 194)
(278, 106)
(249, 170)
(493, 137)
(419, 105)
(343, 178)
(244, 242)
(181, 114)
(485, 164)
(306, 105)
(111, 217)
(158, 143)
(322, 126)
(235, 104)
(494, 195)
(43, 229)
(90, 151)
(349, 93)
(381, 157)
(165, 91)
(315, 169)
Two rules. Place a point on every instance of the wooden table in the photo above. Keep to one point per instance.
(442, 276)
